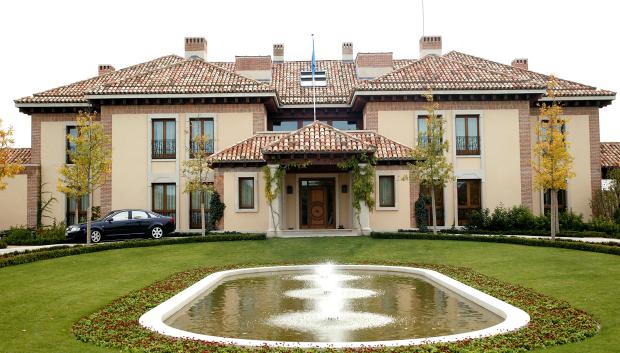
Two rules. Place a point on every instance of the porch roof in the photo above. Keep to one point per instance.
(317, 138)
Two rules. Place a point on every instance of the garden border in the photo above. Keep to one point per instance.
(553, 321)
(564, 244)
(28, 256)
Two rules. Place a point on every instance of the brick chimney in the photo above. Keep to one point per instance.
(278, 53)
(430, 45)
(255, 67)
(520, 63)
(105, 68)
(347, 51)
(195, 48)
(371, 65)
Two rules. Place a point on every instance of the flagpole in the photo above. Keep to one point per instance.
(313, 64)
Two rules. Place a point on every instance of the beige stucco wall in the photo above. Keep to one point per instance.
(579, 192)
(130, 148)
(53, 155)
(399, 126)
(13, 202)
(235, 220)
(501, 159)
(398, 217)
(468, 163)
(232, 128)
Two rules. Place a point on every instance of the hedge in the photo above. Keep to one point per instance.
(61, 251)
(553, 321)
(535, 232)
(605, 248)
(2, 244)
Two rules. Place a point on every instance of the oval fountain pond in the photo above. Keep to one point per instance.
(332, 306)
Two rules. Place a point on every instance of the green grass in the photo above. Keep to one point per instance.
(39, 302)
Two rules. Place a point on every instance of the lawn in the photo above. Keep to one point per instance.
(40, 301)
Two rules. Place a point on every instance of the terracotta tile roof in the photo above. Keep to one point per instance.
(173, 74)
(74, 93)
(318, 137)
(187, 76)
(315, 138)
(566, 88)
(610, 154)
(249, 150)
(19, 155)
(386, 148)
(441, 73)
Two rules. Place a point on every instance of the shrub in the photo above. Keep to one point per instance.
(53, 233)
(421, 214)
(522, 218)
(3, 244)
(18, 235)
(571, 221)
(604, 225)
(479, 219)
(216, 211)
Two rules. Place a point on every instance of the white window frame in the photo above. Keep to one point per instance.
(320, 78)
(236, 192)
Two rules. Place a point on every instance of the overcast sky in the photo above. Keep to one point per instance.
(46, 44)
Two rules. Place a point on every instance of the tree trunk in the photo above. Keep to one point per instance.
(433, 213)
(77, 212)
(554, 212)
(202, 213)
(557, 214)
(88, 210)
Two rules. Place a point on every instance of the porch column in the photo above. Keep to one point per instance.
(364, 216)
(274, 212)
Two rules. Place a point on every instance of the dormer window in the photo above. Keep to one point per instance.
(320, 79)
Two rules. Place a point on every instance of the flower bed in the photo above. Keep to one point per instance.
(553, 321)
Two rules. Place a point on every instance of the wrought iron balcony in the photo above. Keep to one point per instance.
(164, 149)
(468, 145)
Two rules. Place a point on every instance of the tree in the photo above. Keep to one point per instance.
(8, 169)
(431, 166)
(196, 171)
(553, 162)
(92, 162)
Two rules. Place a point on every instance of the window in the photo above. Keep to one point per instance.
(344, 124)
(468, 198)
(194, 209)
(139, 215)
(425, 191)
(467, 135)
(81, 205)
(201, 127)
(561, 201)
(70, 146)
(320, 79)
(285, 125)
(121, 216)
(387, 197)
(423, 131)
(164, 199)
(246, 193)
(164, 139)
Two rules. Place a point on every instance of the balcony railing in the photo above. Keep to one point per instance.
(195, 147)
(468, 145)
(164, 149)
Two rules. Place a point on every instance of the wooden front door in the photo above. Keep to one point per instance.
(317, 203)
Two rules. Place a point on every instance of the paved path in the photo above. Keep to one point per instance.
(21, 248)
(585, 240)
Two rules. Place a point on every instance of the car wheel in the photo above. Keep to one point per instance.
(157, 232)
(95, 236)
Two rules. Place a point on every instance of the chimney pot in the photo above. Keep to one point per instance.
(105, 68)
(195, 48)
(372, 65)
(430, 45)
(278, 52)
(520, 63)
(254, 67)
(347, 51)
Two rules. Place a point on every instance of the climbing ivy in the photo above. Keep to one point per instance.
(421, 214)
(363, 180)
(276, 178)
(216, 211)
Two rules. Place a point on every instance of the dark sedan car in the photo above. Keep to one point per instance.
(123, 223)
